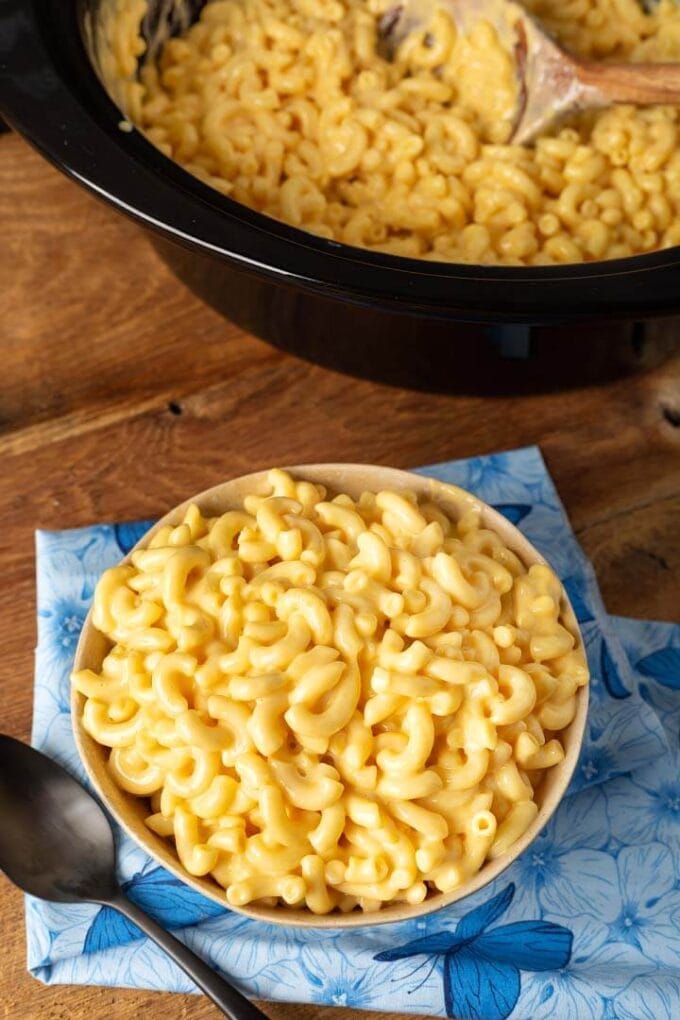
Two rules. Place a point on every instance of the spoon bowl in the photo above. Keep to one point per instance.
(56, 843)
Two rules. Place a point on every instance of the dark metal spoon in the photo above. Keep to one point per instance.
(56, 843)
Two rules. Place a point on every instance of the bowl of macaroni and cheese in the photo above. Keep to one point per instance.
(331, 695)
(324, 195)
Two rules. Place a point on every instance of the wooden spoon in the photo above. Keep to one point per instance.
(552, 83)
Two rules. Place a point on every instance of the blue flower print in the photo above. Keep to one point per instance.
(644, 910)
(334, 978)
(57, 743)
(38, 948)
(481, 965)
(514, 512)
(142, 965)
(62, 608)
(69, 565)
(641, 638)
(595, 763)
(566, 557)
(621, 740)
(657, 671)
(666, 705)
(565, 870)
(591, 632)
(132, 860)
(623, 733)
(646, 807)
(109, 928)
(661, 688)
(67, 925)
(265, 955)
(499, 478)
(597, 969)
(611, 677)
(145, 962)
(290, 964)
(573, 586)
(648, 998)
(95, 548)
(46, 709)
(170, 902)
(129, 534)
(663, 666)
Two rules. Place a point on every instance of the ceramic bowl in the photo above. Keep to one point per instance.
(130, 811)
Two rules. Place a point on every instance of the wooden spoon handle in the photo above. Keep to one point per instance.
(632, 83)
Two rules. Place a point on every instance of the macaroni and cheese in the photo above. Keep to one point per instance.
(288, 107)
(332, 703)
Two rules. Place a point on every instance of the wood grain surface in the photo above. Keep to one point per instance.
(121, 394)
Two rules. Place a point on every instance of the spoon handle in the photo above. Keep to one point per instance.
(225, 996)
(632, 83)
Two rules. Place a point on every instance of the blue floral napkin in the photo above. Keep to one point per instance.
(585, 925)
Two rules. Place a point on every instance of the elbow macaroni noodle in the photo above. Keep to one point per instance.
(287, 107)
(329, 703)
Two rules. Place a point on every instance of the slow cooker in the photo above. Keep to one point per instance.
(406, 321)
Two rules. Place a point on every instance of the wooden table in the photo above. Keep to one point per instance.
(121, 394)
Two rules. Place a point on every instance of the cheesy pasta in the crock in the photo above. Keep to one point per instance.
(288, 107)
(332, 703)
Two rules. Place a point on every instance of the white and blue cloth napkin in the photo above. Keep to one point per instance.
(585, 925)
